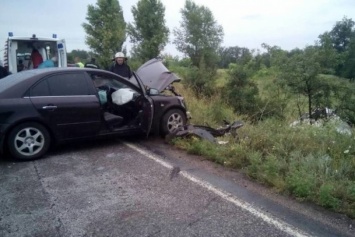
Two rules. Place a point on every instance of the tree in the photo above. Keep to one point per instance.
(338, 39)
(329, 56)
(239, 55)
(82, 54)
(148, 33)
(349, 65)
(241, 92)
(274, 55)
(105, 30)
(301, 73)
(342, 33)
(199, 36)
(346, 98)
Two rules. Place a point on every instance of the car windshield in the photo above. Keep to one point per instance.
(13, 79)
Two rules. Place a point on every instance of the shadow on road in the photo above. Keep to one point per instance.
(82, 145)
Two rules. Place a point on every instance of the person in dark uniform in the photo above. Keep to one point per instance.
(120, 66)
(91, 64)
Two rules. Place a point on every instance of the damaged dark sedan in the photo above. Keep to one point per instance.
(46, 106)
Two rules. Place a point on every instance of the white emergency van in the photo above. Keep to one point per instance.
(17, 53)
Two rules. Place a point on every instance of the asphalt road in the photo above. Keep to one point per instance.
(146, 188)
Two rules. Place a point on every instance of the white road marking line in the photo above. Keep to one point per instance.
(279, 224)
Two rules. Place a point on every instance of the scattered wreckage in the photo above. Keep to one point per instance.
(319, 117)
(322, 116)
(206, 132)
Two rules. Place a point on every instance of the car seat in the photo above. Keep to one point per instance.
(112, 120)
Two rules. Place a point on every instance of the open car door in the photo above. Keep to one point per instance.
(147, 107)
(120, 92)
(147, 116)
(62, 53)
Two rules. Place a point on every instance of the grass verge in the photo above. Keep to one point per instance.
(310, 163)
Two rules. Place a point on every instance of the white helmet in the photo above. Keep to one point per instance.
(119, 55)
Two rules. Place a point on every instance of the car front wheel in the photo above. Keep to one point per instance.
(172, 120)
(28, 141)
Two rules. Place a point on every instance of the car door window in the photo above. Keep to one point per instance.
(68, 84)
(40, 89)
(100, 80)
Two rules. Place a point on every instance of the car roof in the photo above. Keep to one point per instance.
(26, 77)
(58, 69)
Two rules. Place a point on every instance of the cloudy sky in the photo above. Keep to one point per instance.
(285, 23)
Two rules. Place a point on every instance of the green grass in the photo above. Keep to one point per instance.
(221, 78)
(310, 163)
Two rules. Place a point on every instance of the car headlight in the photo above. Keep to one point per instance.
(182, 101)
(183, 104)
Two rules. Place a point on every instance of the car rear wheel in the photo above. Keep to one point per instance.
(172, 120)
(28, 141)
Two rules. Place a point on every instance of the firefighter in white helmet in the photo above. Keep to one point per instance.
(120, 66)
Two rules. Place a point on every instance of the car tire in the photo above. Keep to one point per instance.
(28, 141)
(171, 120)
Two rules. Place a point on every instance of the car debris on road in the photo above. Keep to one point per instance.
(206, 132)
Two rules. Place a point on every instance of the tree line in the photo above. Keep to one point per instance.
(199, 38)
(323, 73)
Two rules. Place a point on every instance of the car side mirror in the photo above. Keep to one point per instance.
(152, 91)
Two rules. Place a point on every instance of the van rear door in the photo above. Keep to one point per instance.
(11, 56)
(62, 53)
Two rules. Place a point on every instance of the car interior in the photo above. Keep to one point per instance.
(121, 105)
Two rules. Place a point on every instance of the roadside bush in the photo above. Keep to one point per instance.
(240, 92)
(200, 80)
(204, 112)
(274, 171)
(256, 161)
(301, 184)
(237, 155)
(350, 191)
(326, 196)
(301, 179)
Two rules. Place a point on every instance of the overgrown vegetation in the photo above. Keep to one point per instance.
(268, 92)
(310, 163)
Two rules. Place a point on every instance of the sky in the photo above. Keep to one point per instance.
(288, 24)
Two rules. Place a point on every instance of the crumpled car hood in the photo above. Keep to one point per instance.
(155, 75)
